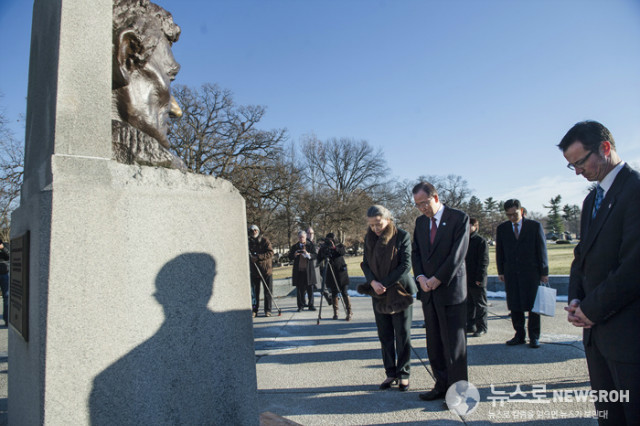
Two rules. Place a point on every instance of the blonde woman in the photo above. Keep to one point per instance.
(386, 264)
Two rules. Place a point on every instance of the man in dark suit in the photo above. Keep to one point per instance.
(604, 285)
(521, 257)
(476, 262)
(440, 242)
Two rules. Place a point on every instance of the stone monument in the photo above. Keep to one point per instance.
(138, 302)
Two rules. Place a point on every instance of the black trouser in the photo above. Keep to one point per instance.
(446, 342)
(256, 283)
(533, 325)
(477, 312)
(302, 288)
(606, 374)
(394, 332)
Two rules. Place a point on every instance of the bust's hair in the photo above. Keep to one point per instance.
(378, 210)
(148, 21)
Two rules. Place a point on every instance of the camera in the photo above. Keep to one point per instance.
(325, 245)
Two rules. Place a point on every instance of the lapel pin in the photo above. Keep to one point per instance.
(444, 223)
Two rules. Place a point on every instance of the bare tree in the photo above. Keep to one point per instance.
(217, 137)
(398, 198)
(11, 174)
(347, 172)
(345, 165)
(453, 190)
(273, 201)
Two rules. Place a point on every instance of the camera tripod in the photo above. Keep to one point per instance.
(323, 288)
(264, 284)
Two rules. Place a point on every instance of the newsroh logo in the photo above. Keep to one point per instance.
(462, 398)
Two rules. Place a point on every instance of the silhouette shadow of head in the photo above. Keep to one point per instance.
(184, 285)
(167, 378)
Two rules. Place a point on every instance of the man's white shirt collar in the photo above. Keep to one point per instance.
(438, 215)
(610, 177)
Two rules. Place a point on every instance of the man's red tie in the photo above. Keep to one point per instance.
(434, 228)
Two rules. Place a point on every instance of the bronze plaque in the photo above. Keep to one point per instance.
(19, 289)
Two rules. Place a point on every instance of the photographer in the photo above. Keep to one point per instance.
(261, 254)
(303, 254)
(338, 281)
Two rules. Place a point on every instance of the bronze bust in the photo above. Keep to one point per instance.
(143, 68)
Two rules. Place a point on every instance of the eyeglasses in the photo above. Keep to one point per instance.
(578, 164)
(423, 204)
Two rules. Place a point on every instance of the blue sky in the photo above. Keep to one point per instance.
(484, 89)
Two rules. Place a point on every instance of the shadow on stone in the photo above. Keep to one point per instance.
(179, 375)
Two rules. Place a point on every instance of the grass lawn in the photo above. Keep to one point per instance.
(560, 257)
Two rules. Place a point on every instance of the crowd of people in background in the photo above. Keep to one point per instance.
(450, 259)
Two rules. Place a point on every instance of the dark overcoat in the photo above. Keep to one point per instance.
(312, 278)
(477, 260)
(335, 257)
(522, 261)
(261, 248)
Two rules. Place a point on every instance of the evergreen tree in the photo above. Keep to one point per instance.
(554, 219)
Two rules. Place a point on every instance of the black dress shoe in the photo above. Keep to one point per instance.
(516, 341)
(534, 343)
(387, 383)
(432, 395)
(479, 333)
(403, 388)
(299, 309)
(311, 308)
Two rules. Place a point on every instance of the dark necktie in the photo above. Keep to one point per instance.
(515, 230)
(434, 228)
(599, 197)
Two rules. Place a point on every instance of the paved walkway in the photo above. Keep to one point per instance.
(329, 373)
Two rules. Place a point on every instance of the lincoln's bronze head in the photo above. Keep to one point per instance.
(143, 67)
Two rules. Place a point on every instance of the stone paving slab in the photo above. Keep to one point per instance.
(328, 373)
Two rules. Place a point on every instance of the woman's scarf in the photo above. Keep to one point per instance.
(383, 258)
(382, 252)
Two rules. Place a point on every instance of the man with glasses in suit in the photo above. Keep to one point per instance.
(604, 283)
